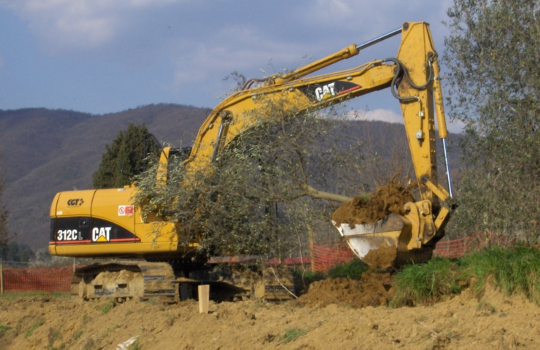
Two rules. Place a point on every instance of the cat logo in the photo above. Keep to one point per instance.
(101, 234)
(324, 92)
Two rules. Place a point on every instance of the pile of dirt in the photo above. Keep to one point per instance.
(374, 289)
(385, 200)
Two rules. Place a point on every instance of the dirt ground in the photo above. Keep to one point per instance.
(334, 314)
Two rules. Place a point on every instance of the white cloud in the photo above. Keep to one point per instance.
(80, 25)
(371, 18)
(384, 115)
(331, 11)
(233, 48)
(455, 126)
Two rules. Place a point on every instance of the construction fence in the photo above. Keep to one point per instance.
(327, 256)
(21, 277)
(18, 277)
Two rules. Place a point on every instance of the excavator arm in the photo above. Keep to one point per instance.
(413, 77)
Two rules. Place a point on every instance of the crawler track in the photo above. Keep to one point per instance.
(144, 280)
(126, 279)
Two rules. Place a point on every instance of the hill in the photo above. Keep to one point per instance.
(48, 151)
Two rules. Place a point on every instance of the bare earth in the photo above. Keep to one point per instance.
(328, 319)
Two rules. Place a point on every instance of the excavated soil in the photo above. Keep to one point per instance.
(381, 258)
(374, 289)
(494, 321)
(385, 200)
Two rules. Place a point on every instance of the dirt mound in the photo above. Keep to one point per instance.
(385, 200)
(373, 289)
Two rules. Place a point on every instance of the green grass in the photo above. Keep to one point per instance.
(3, 330)
(352, 269)
(515, 269)
(512, 270)
(77, 335)
(486, 306)
(426, 282)
(35, 326)
(291, 335)
(107, 307)
(302, 279)
(308, 275)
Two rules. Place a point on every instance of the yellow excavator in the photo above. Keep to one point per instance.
(105, 223)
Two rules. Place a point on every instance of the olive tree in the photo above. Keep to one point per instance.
(268, 191)
(493, 57)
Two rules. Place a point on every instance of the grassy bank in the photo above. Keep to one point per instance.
(513, 270)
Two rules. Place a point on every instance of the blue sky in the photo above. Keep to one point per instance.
(103, 56)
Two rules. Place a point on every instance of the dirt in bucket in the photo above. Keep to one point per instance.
(386, 199)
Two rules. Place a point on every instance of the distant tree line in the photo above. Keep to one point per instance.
(17, 253)
(4, 215)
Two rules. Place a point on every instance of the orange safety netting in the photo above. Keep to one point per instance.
(329, 255)
(326, 256)
(456, 248)
(453, 249)
(44, 279)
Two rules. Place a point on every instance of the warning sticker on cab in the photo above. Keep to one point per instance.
(125, 210)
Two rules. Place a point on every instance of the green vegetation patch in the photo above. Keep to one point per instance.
(352, 269)
(107, 307)
(426, 282)
(35, 326)
(292, 334)
(77, 335)
(4, 329)
(514, 269)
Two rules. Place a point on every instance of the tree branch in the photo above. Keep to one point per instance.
(310, 191)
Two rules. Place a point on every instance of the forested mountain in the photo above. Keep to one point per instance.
(48, 151)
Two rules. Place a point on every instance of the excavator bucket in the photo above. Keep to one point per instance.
(385, 243)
